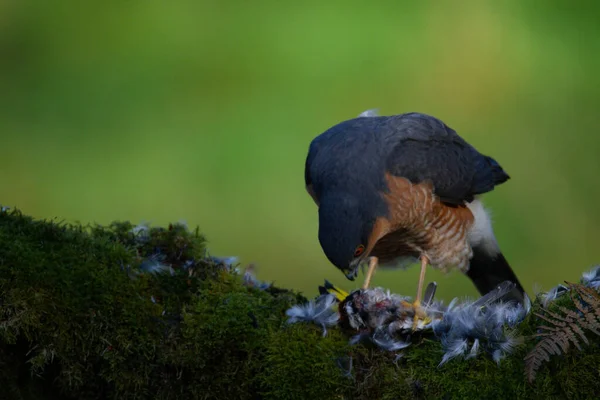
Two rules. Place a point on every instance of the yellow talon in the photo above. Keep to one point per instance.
(420, 314)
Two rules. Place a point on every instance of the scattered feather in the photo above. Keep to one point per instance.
(250, 280)
(228, 262)
(188, 264)
(495, 295)
(537, 288)
(382, 338)
(345, 364)
(474, 349)
(454, 348)
(141, 232)
(429, 294)
(153, 264)
(553, 294)
(360, 338)
(320, 311)
(183, 223)
(369, 113)
(483, 325)
(592, 278)
(516, 314)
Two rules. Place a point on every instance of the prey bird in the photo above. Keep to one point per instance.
(392, 190)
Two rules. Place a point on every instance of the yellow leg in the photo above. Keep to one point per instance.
(424, 262)
(419, 313)
(372, 265)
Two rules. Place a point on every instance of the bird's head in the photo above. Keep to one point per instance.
(345, 228)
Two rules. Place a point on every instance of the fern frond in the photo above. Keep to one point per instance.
(565, 327)
(591, 312)
(587, 294)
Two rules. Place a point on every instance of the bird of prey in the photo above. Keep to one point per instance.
(392, 190)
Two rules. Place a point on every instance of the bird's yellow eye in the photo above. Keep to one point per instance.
(359, 250)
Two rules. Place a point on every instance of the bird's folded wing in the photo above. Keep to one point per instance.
(456, 170)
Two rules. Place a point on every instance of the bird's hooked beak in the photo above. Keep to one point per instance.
(351, 274)
(352, 271)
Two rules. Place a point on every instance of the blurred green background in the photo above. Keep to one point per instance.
(203, 111)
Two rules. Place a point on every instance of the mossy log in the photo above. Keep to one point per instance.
(144, 313)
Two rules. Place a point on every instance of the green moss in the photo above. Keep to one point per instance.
(301, 364)
(80, 320)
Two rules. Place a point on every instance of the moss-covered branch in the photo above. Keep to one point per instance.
(134, 312)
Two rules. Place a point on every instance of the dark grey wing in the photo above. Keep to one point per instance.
(456, 169)
(307, 177)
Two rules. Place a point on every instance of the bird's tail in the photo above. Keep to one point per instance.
(328, 288)
(487, 272)
(499, 175)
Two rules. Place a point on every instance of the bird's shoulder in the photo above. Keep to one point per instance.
(423, 148)
(420, 127)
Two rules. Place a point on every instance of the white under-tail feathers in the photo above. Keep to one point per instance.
(481, 234)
